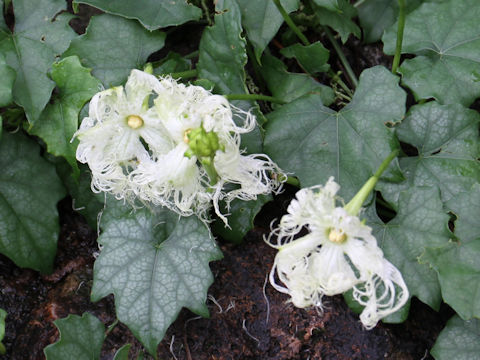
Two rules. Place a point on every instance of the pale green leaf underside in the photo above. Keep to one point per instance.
(460, 340)
(59, 121)
(222, 60)
(446, 137)
(446, 39)
(314, 142)
(154, 265)
(261, 20)
(40, 35)
(81, 338)
(152, 14)
(29, 192)
(111, 56)
(420, 222)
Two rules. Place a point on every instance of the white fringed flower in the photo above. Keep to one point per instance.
(112, 138)
(173, 145)
(339, 254)
(202, 128)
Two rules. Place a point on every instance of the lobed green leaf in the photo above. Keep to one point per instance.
(240, 219)
(59, 121)
(289, 86)
(460, 340)
(457, 264)
(420, 223)
(81, 338)
(447, 140)
(314, 142)
(339, 19)
(445, 37)
(152, 14)
(154, 264)
(261, 20)
(313, 58)
(111, 56)
(29, 192)
(41, 34)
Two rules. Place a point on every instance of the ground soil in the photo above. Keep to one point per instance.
(249, 319)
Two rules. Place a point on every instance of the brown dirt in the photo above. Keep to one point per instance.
(245, 323)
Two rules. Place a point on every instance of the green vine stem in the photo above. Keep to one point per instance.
(342, 57)
(354, 205)
(254, 97)
(184, 74)
(401, 27)
(290, 23)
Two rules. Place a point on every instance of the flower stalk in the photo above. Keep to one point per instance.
(400, 29)
(353, 207)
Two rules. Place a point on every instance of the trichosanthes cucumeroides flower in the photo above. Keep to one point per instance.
(338, 254)
(173, 145)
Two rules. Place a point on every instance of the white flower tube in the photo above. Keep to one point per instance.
(339, 254)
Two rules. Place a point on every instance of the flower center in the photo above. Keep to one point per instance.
(202, 144)
(186, 140)
(134, 121)
(337, 236)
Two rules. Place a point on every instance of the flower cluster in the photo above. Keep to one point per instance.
(338, 254)
(173, 145)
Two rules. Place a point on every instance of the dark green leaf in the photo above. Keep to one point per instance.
(328, 4)
(460, 340)
(315, 142)
(154, 264)
(262, 20)
(84, 200)
(59, 121)
(240, 218)
(457, 264)
(29, 192)
(3, 315)
(222, 60)
(446, 39)
(378, 15)
(446, 137)
(122, 353)
(420, 223)
(40, 35)
(152, 14)
(340, 19)
(81, 338)
(459, 275)
(7, 74)
(466, 207)
(172, 63)
(288, 86)
(313, 58)
(111, 56)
